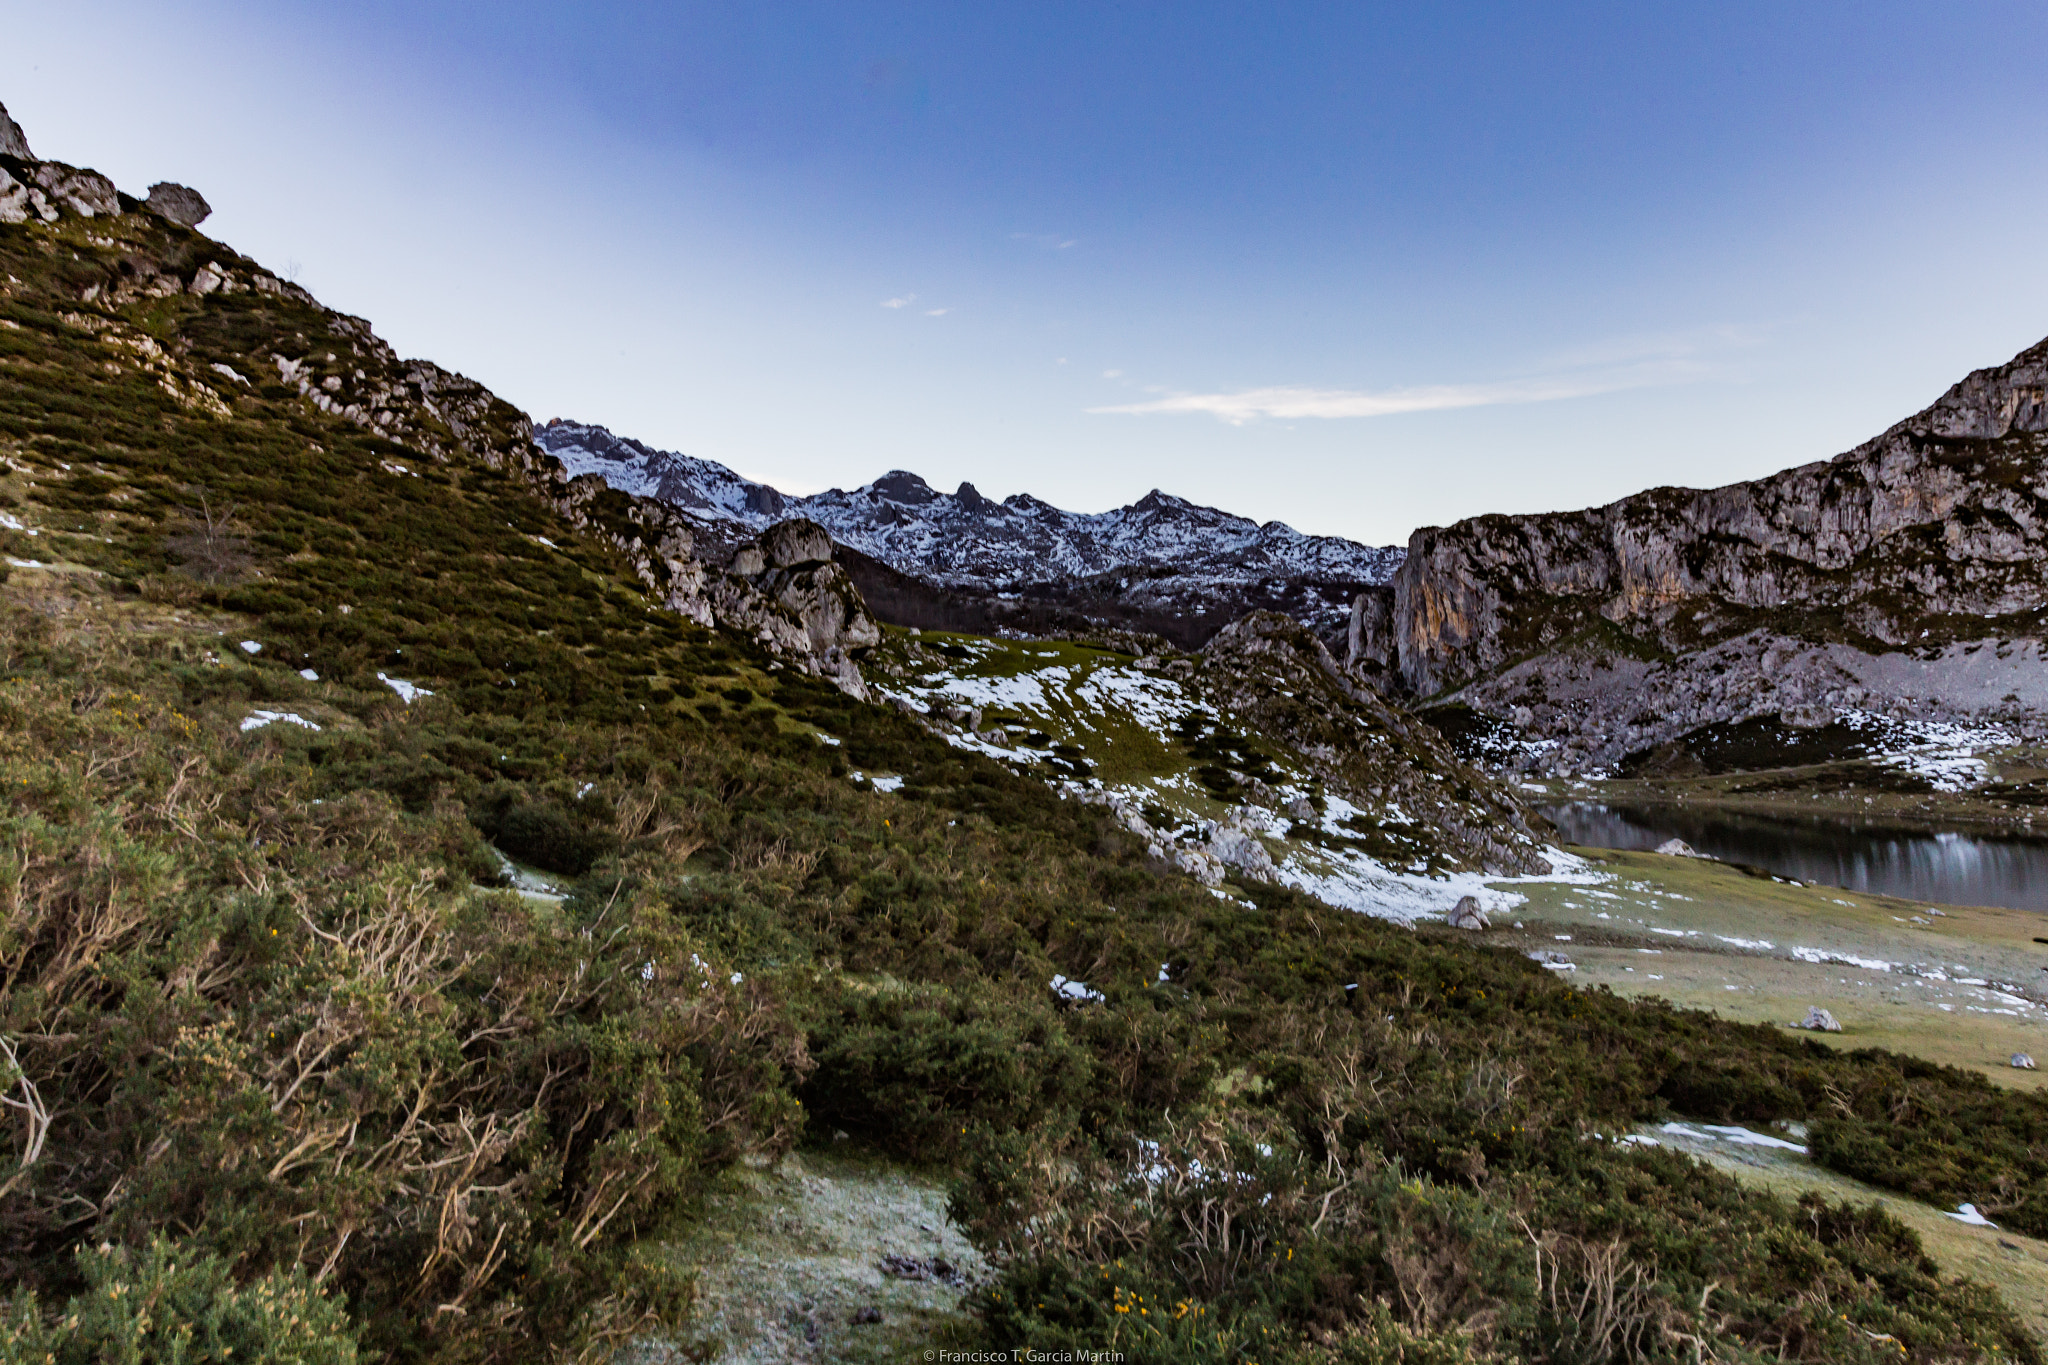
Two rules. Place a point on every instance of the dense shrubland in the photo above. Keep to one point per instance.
(276, 1036)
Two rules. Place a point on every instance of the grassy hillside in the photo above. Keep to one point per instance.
(290, 1069)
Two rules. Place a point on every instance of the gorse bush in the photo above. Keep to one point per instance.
(165, 1306)
(274, 1035)
(335, 1053)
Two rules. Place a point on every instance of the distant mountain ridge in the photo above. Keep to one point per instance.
(1161, 562)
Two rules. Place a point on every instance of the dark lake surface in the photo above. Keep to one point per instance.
(1948, 869)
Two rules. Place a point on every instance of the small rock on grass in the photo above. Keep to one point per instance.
(2023, 1061)
(1679, 848)
(1819, 1020)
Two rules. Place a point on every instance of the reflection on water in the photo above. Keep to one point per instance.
(1950, 869)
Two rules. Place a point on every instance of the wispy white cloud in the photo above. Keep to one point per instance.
(903, 302)
(1049, 241)
(936, 312)
(1609, 368)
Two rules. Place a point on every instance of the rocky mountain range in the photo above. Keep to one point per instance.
(1904, 577)
(961, 560)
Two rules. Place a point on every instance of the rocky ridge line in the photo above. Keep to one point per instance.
(781, 588)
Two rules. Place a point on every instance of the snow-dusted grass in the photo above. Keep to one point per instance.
(1043, 703)
(1964, 988)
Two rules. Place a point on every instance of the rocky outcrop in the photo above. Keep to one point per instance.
(1272, 672)
(785, 590)
(1819, 587)
(13, 142)
(181, 205)
(45, 189)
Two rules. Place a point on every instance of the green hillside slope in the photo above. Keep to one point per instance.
(292, 1068)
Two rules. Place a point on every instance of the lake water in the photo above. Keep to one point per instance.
(1948, 869)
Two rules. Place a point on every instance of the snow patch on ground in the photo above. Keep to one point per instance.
(1074, 990)
(407, 691)
(1741, 1137)
(1944, 753)
(1821, 955)
(256, 720)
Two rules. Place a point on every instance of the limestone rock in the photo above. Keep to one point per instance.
(1819, 1020)
(1239, 850)
(1552, 959)
(1798, 596)
(1205, 868)
(1466, 914)
(785, 590)
(792, 544)
(1678, 848)
(183, 206)
(12, 141)
(86, 193)
(967, 718)
(2022, 1061)
(18, 202)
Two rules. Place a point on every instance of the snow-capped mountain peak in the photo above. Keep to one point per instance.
(1194, 559)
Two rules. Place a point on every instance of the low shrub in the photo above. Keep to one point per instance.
(168, 1305)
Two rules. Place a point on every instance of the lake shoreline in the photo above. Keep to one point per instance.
(1875, 854)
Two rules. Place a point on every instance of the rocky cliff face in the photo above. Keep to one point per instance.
(1878, 579)
(1161, 564)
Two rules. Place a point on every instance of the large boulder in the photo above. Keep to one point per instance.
(183, 206)
(1466, 914)
(19, 201)
(1819, 1020)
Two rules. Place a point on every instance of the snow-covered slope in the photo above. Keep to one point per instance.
(1185, 558)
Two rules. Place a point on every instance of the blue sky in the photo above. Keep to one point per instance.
(1356, 267)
